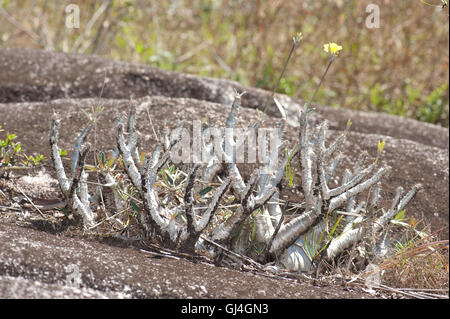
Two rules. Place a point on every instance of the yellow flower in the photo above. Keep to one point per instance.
(380, 146)
(332, 48)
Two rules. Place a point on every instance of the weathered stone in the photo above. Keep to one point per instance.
(411, 161)
(32, 75)
(35, 264)
(34, 84)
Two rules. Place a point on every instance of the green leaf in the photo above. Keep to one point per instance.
(64, 210)
(11, 136)
(101, 157)
(290, 171)
(318, 244)
(291, 177)
(205, 191)
(142, 157)
(135, 206)
(310, 110)
(169, 179)
(401, 215)
(110, 163)
(87, 115)
(17, 147)
(91, 167)
(253, 236)
(335, 226)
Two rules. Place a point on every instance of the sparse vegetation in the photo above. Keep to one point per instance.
(419, 260)
(12, 155)
(189, 208)
(400, 68)
(212, 208)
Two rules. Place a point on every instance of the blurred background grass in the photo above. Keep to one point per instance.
(401, 68)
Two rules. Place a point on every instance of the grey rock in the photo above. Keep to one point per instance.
(34, 84)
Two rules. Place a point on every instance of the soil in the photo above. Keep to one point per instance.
(37, 249)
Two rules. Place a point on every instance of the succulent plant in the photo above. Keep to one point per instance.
(294, 241)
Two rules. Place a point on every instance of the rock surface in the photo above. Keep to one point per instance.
(34, 84)
(35, 264)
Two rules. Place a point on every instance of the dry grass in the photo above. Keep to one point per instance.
(418, 263)
(400, 68)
